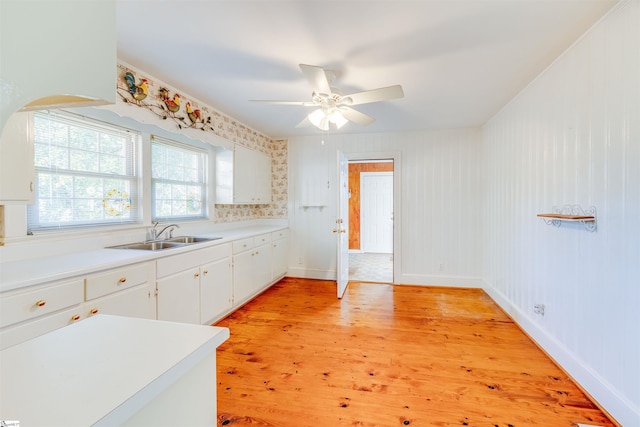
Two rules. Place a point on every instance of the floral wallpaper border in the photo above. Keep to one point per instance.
(172, 110)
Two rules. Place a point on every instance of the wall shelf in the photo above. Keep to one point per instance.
(571, 213)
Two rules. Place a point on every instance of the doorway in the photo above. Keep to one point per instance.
(371, 220)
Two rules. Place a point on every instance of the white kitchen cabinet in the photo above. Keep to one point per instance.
(243, 176)
(262, 265)
(194, 287)
(262, 176)
(108, 282)
(251, 267)
(216, 290)
(279, 253)
(17, 171)
(127, 291)
(179, 297)
(25, 305)
(21, 332)
(138, 301)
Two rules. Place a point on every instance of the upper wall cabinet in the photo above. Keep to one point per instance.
(243, 176)
(56, 54)
(17, 170)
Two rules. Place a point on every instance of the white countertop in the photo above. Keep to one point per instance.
(20, 274)
(98, 370)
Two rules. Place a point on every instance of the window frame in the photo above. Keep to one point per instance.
(202, 182)
(115, 201)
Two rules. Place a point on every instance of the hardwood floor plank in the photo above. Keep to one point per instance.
(388, 355)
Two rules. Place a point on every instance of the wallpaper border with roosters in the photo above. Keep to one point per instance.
(149, 100)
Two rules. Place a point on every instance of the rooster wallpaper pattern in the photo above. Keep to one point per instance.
(168, 105)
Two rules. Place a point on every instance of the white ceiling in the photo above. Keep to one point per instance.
(458, 61)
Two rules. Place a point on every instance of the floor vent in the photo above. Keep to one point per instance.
(587, 425)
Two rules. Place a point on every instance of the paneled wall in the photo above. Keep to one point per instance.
(573, 137)
(440, 203)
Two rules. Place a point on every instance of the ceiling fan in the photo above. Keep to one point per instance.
(333, 106)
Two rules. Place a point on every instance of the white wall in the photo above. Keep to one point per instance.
(573, 137)
(440, 208)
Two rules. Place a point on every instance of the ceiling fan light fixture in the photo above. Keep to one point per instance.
(336, 117)
(334, 108)
(319, 119)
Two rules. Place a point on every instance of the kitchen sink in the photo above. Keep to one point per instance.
(191, 239)
(158, 245)
(149, 246)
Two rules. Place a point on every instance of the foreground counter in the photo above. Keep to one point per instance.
(110, 370)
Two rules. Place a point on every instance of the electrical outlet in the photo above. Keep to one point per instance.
(442, 266)
(539, 309)
(300, 260)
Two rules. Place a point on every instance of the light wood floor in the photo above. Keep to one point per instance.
(387, 356)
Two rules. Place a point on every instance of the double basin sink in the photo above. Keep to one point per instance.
(172, 242)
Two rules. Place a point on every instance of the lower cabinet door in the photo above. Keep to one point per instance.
(279, 258)
(178, 297)
(134, 302)
(242, 276)
(251, 272)
(262, 267)
(216, 290)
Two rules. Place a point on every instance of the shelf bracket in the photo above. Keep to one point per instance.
(572, 213)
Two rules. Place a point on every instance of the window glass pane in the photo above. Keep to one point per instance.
(179, 187)
(82, 138)
(85, 173)
(112, 164)
(114, 145)
(80, 160)
(88, 187)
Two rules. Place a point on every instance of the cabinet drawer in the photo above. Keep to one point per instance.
(133, 302)
(27, 305)
(177, 263)
(261, 239)
(280, 234)
(242, 245)
(25, 331)
(116, 280)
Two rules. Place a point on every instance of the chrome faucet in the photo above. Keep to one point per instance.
(155, 234)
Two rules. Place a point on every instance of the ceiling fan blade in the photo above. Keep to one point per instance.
(317, 78)
(374, 95)
(267, 101)
(356, 116)
(304, 123)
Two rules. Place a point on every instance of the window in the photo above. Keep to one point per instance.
(85, 173)
(178, 184)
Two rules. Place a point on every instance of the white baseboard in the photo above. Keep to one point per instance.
(624, 411)
(405, 279)
(310, 273)
(446, 281)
